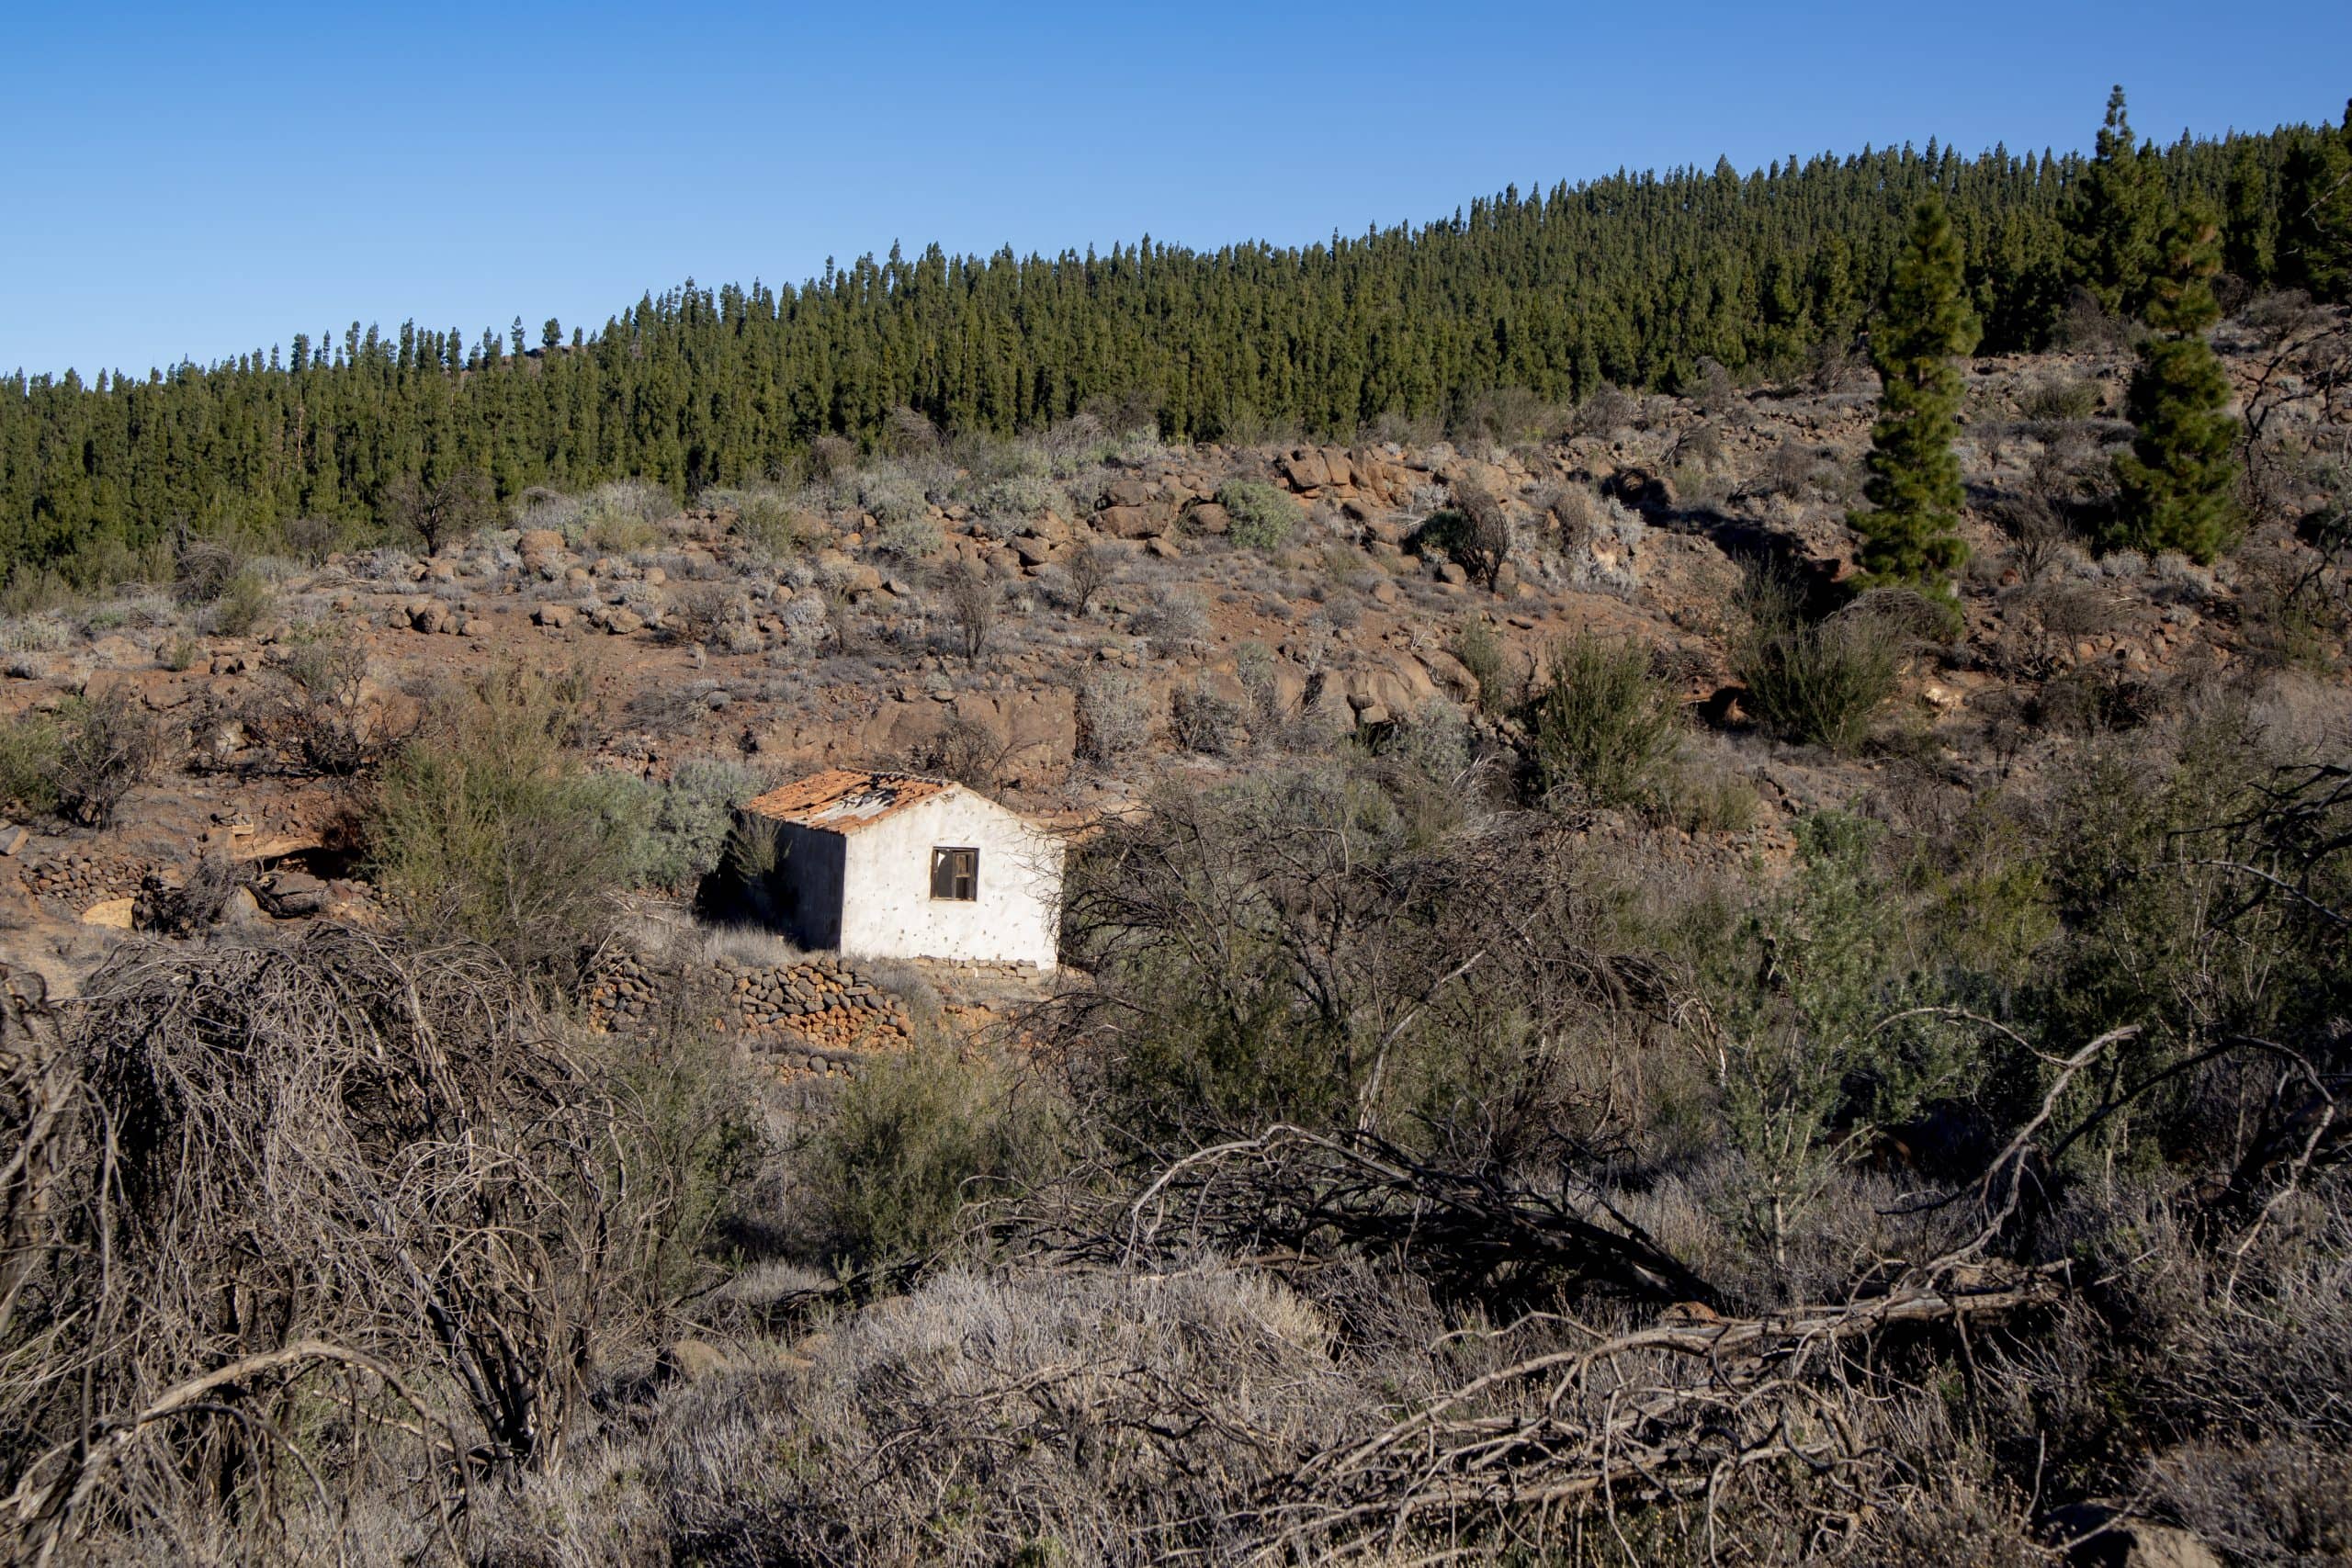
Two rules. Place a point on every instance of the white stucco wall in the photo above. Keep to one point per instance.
(888, 910)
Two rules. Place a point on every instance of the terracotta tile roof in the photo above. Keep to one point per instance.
(843, 800)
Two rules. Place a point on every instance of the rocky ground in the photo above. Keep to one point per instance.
(844, 638)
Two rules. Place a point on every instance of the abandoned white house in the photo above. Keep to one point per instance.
(894, 865)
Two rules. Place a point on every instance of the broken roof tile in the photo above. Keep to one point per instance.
(841, 800)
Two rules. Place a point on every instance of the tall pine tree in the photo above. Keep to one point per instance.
(1909, 536)
(2118, 214)
(2179, 481)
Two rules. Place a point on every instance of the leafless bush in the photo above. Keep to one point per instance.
(968, 751)
(1114, 716)
(1483, 544)
(1788, 469)
(702, 611)
(973, 603)
(1173, 618)
(311, 704)
(832, 458)
(339, 1188)
(2269, 1502)
(1086, 572)
(106, 745)
(1202, 719)
(1126, 1419)
(1607, 410)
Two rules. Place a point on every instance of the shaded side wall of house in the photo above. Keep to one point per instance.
(805, 891)
(888, 911)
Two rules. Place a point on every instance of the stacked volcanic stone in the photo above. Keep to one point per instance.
(817, 1015)
(625, 993)
(78, 880)
(820, 1003)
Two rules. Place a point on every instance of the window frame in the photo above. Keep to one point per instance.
(946, 872)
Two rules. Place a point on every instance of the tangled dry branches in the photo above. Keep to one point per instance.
(327, 1202)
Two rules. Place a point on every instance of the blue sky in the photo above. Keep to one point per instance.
(184, 181)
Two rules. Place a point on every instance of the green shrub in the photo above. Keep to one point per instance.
(1480, 651)
(766, 518)
(1263, 516)
(2059, 399)
(619, 518)
(487, 826)
(1698, 801)
(1022, 499)
(915, 1137)
(179, 654)
(619, 533)
(245, 601)
(1604, 730)
(1820, 684)
(691, 813)
(29, 746)
(892, 497)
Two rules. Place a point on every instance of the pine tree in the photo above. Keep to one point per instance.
(2250, 230)
(2116, 215)
(2179, 481)
(1915, 487)
(2315, 213)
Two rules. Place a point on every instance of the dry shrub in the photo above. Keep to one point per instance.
(703, 612)
(365, 1224)
(1091, 1417)
(1203, 719)
(2272, 1502)
(1483, 543)
(440, 508)
(309, 705)
(1114, 716)
(1085, 573)
(832, 458)
(973, 603)
(105, 746)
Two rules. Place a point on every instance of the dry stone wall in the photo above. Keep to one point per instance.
(821, 1014)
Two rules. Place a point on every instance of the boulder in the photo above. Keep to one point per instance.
(1305, 469)
(536, 544)
(1132, 522)
(557, 615)
(291, 893)
(1208, 517)
(114, 913)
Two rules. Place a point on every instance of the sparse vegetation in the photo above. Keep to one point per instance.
(487, 826)
(1687, 1107)
(1818, 682)
(105, 746)
(1604, 730)
(1263, 517)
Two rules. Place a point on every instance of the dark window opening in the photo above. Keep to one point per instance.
(955, 874)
